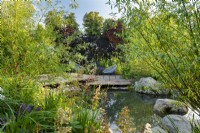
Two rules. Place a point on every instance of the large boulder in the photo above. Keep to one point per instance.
(149, 85)
(158, 130)
(164, 107)
(176, 124)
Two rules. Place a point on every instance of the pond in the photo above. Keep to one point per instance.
(140, 106)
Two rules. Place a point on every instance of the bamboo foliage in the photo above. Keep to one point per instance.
(165, 35)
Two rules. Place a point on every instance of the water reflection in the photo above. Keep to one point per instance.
(140, 106)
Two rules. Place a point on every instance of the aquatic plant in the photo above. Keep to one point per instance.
(125, 122)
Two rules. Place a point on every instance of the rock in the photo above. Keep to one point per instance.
(68, 88)
(114, 128)
(147, 128)
(2, 97)
(110, 130)
(1, 90)
(158, 130)
(149, 86)
(193, 116)
(43, 77)
(164, 107)
(176, 124)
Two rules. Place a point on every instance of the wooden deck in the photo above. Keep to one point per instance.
(109, 80)
(92, 80)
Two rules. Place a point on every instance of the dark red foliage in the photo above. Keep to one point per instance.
(112, 34)
(66, 31)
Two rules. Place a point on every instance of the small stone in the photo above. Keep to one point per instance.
(147, 128)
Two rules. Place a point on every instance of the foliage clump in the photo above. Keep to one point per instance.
(164, 39)
(93, 23)
(25, 46)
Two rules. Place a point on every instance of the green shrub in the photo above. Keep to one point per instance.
(87, 119)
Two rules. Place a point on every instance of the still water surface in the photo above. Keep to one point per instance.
(140, 106)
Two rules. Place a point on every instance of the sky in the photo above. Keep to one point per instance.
(85, 6)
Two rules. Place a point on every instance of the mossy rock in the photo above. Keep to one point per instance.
(165, 107)
(149, 85)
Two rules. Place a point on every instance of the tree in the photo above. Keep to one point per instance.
(69, 26)
(54, 19)
(70, 21)
(108, 24)
(114, 32)
(93, 23)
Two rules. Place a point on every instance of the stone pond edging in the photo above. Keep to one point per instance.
(176, 123)
(165, 107)
(176, 117)
(148, 85)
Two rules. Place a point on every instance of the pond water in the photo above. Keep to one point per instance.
(140, 106)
